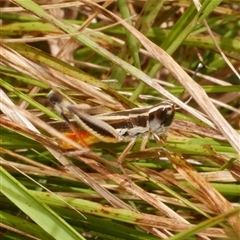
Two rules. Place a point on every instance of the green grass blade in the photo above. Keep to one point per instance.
(37, 211)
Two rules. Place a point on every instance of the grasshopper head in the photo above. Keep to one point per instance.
(161, 117)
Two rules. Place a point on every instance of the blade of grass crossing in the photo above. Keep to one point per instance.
(36, 210)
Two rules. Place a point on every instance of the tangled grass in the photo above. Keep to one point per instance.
(120, 55)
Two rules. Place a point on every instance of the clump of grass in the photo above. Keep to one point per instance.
(120, 55)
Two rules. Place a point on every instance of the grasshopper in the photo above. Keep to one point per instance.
(121, 126)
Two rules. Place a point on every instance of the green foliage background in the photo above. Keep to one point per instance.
(185, 187)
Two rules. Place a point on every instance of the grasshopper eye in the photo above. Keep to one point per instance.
(54, 97)
(168, 116)
(161, 117)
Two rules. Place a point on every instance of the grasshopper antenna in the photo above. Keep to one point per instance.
(199, 66)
